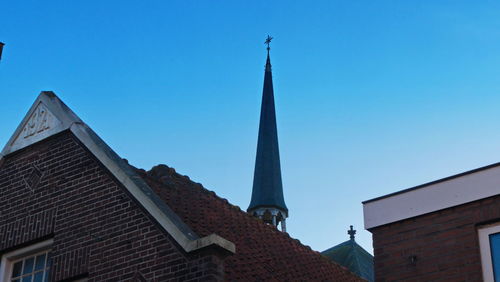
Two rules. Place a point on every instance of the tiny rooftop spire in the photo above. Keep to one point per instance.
(351, 233)
(1, 48)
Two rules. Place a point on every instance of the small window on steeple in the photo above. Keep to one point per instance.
(267, 217)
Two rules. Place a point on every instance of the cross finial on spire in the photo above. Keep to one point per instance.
(351, 233)
(268, 42)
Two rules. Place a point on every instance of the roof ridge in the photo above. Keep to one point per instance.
(335, 262)
(336, 246)
(355, 254)
(352, 256)
(144, 173)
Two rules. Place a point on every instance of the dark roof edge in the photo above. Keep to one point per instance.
(336, 246)
(433, 182)
(255, 207)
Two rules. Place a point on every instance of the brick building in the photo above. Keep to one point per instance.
(446, 230)
(72, 210)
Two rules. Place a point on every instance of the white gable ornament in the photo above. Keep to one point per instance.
(40, 125)
(41, 119)
(46, 117)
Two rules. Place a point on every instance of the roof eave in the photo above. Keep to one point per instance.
(445, 193)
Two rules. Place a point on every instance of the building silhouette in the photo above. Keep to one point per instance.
(73, 210)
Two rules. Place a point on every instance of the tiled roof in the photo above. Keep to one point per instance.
(262, 252)
(354, 257)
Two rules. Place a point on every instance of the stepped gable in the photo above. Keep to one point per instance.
(262, 252)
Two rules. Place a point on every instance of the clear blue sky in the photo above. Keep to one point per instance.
(372, 96)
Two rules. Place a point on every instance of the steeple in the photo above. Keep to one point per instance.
(267, 194)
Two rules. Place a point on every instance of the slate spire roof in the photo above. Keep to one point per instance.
(267, 188)
(351, 255)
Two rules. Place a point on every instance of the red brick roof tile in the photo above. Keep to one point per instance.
(262, 252)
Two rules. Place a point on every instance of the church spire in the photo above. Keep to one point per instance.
(267, 194)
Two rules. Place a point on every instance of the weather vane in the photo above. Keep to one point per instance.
(268, 42)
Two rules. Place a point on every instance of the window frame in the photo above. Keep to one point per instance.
(484, 233)
(8, 259)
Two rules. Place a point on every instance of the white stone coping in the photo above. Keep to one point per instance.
(211, 240)
(58, 117)
(438, 195)
(188, 241)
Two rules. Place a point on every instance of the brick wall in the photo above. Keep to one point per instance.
(444, 244)
(56, 189)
